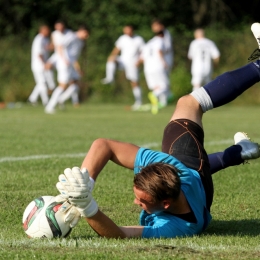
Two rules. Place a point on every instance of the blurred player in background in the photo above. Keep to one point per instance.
(157, 26)
(203, 54)
(43, 78)
(129, 46)
(69, 47)
(155, 71)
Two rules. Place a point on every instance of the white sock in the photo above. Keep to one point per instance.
(50, 79)
(110, 70)
(163, 98)
(203, 98)
(34, 95)
(54, 98)
(39, 90)
(44, 94)
(137, 92)
(75, 96)
(69, 93)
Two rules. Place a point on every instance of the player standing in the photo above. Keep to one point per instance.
(129, 46)
(39, 56)
(203, 53)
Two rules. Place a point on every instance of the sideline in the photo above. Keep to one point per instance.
(76, 155)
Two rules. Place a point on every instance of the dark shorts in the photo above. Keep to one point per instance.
(184, 140)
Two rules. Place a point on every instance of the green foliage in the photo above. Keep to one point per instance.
(63, 139)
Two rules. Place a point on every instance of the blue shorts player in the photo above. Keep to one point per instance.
(174, 187)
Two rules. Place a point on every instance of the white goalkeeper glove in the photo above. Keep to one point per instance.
(71, 214)
(75, 187)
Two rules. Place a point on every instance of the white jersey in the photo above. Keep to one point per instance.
(151, 55)
(130, 47)
(57, 37)
(201, 52)
(39, 48)
(72, 47)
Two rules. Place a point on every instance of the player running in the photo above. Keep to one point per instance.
(129, 46)
(158, 26)
(174, 188)
(155, 71)
(69, 72)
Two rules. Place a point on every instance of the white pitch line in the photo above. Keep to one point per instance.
(48, 156)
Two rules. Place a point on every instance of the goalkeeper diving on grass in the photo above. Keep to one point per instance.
(174, 187)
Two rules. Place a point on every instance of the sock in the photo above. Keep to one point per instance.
(44, 94)
(54, 98)
(68, 93)
(230, 85)
(34, 95)
(110, 70)
(39, 90)
(75, 96)
(221, 160)
(50, 79)
(137, 92)
(162, 98)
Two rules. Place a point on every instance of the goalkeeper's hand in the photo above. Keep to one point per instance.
(71, 214)
(75, 187)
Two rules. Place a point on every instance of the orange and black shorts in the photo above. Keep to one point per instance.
(184, 139)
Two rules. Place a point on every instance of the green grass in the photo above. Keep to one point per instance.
(61, 140)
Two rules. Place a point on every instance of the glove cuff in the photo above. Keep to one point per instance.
(90, 210)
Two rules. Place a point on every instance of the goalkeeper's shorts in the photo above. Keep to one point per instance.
(184, 140)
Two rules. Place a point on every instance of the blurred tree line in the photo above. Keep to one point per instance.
(21, 16)
(20, 19)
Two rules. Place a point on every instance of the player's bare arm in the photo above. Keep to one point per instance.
(103, 150)
(113, 54)
(163, 59)
(78, 68)
(105, 227)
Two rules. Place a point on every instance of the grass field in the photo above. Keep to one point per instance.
(36, 148)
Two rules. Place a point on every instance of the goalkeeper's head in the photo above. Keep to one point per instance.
(157, 184)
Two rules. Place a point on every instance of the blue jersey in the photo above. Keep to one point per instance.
(163, 224)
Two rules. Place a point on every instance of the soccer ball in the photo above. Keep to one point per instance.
(42, 219)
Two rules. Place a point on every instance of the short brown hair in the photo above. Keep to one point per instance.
(160, 180)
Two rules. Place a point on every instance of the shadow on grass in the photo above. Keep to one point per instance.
(246, 227)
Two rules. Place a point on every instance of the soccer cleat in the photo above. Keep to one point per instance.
(136, 106)
(154, 101)
(106, 81)
(250, 150)
(61, 106)
(255, 28)
(34, 104)
(49, 111)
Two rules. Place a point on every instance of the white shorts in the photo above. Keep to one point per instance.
(158, 80)
(67, 74)
(199, 79)
(130, 68)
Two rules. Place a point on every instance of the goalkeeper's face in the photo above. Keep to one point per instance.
(146, 202)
